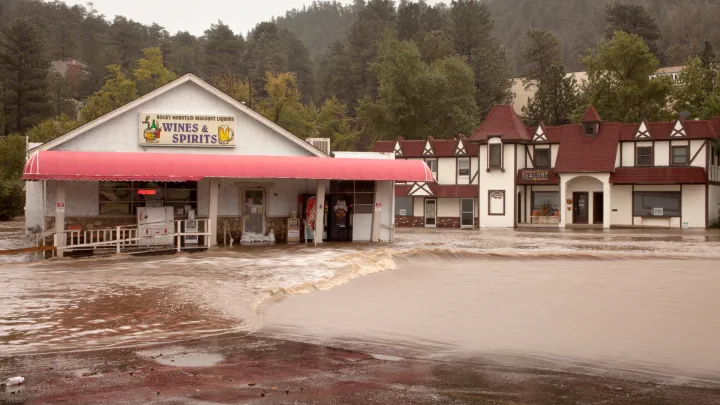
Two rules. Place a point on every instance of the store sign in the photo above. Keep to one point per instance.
(147, 192)
(187, 130)
(60, 206)
(658, 211)
(535, 175)
(378, 207)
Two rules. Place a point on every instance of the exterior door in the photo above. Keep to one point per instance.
(467, 213)
(430, 212)
(580, 208)
(254, 210)
(598, 208)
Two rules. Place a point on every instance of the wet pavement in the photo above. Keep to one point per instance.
(502, 316)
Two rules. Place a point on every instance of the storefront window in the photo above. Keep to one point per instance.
(123, 198)
(404, 206)
(545, 203)
(657, 204)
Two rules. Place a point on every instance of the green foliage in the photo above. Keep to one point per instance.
(632, 19)
(223, 52)
(151, 73)
(697, 90)
(556, 99)
(12, 190)
(620, 83)
(48, 130)
(436, 45)
(117, 91)
(541, 51)
(23, 75)
(61, 95)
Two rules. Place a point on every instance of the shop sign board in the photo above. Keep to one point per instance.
(60, 206)
(191, 130)
(535, 175)
(378, 207)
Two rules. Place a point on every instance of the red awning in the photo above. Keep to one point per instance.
(133, 166)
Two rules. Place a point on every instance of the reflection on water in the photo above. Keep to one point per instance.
(617, 297)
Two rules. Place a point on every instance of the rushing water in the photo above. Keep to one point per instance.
(617, 299)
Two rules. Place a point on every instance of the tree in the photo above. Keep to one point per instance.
(556, 98)
(23, 73)
(633, 19)
(409, 17)
(620, 82)
(185, 54)
(223, 52)
(60, 94)
(117, 91)
(151, 73)
(541, 51)
(436, 45)
(695, 91)
(283, 96)
(12, 188)
(472, 28)
(48, 130)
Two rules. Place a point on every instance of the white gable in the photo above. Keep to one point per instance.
(398, 149)
(678, 130)
(119, 130)
(642, 131)
(420, 189)
(540, 135)
(428, 150)
(460, 149)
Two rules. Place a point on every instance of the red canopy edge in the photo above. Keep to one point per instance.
(148, 166)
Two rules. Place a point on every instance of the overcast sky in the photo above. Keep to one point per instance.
(197, 15)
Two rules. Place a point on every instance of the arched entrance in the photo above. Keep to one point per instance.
(586, 200)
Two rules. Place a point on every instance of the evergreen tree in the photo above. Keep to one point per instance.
(23, 72)
(696, 92)
(541, 51)
(184, 54)
(117, 91)
(555, 100)
(620, 82)
(151, 72)
(223, 52)
(633, 19)
(436, 45)
(60, 94)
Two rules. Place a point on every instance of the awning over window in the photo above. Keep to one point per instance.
(133, 166)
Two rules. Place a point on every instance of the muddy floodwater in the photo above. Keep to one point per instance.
(636, 303)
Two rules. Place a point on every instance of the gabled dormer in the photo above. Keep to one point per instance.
(643, 131)
(428, 149)
(678, 130)
(398, 147)
(591, 122)
(540, 135)
(460, 148)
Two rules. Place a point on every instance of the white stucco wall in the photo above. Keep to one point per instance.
(449, 207)
(281, 195)
(385, 194)
(82, 198)
(34, 207)
(418, 207)
(474, 165)
(628, 154)
(621, 206)
(497, 180)
(693, 206)
(520, 157)
(121, 133)
(698, 145)
(662, 154)
(447, 171)
(583, 183)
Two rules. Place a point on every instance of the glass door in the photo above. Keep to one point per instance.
(467, 213)
(430, 212)
(254, 211)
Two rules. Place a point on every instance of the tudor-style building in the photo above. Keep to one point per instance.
(594, 174)
(451, 201)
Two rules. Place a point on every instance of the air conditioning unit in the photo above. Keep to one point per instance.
(322, 144)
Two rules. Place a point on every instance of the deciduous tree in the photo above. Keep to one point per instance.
(151, 72)
(117, 91)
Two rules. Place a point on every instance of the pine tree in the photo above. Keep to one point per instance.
(23, 71)
(555, 100)
(223, 52)
(633, 19)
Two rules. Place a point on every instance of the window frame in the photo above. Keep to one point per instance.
(637, 156)
(134, 200)
(499, 146)
(489, 205)
(398, 207)
(687, 155)
(637, 194)
(549, 158)
(437, 165)
(457, 171)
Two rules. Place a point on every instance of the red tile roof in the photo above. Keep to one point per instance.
(659, 175)
(443, 191)
(415, 148)
(716, 124)
(584, 153)
(502, 121)
(591, 115)
(662, 130)
(553, 177)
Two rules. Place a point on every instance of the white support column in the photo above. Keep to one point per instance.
(320, 214)
(376, 216)
(607, 191)
(213, 210)
(563, 203)
(60, 216)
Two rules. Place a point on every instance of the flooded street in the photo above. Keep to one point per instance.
(641, 304)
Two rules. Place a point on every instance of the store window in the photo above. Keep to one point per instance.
(644, 156)
(404, 206)
(657, 204)
(463, 167)
(680, 155)
(545, 203)
(542, 158)
(495, 152)
(433, 165)
(123, 198)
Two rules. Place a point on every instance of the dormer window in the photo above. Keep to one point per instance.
(590, 129)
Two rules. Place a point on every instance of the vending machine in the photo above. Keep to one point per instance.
(308, 210)
(293, 228)
(153, 224)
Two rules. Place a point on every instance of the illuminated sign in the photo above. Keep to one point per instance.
(187, 130)
(147, 192)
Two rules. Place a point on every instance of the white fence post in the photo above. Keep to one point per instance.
(117, 237)
(177, 226)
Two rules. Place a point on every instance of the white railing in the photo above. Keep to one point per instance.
(124, 237)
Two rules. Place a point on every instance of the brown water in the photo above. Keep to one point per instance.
(597, 300)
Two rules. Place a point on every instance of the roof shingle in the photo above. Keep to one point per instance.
(502, 121)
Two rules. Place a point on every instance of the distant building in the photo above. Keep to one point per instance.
(72, 69)
(523, 95)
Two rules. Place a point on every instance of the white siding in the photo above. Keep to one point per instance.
(418, 207)
(521, 156)
(34, 207)
(621, 206)
(693, 206)
(695, 147)
(497, 180)
(474, 169)
(628, 154)
(121, 133)
(448, 207)
(554, 153)
(82, 198)
(662, 153)
(447, 172)
(385, 193)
